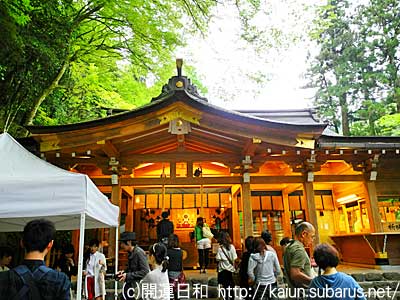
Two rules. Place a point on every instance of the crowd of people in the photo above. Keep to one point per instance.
(162, 267)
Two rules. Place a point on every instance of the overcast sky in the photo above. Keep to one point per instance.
(226, 64)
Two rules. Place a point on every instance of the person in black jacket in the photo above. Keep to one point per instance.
(66, 262)
(175, 267)
(138, 265)
(164, 228)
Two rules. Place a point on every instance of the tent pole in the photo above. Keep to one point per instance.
(116, 263)
(80, 257)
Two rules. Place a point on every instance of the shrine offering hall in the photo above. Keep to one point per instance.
(243, 171)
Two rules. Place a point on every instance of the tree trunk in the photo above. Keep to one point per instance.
(345, 114)
(46, 92)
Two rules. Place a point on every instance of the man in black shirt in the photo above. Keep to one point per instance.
(38, 238)
(164, 228)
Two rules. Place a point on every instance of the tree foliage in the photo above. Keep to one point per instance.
(356, 71)
(64, 61)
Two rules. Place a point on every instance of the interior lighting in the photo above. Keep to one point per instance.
(348, 199)
(218, 164)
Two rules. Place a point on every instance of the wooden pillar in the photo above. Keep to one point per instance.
(346, 219)
(286, 214)
(172, 169)
(235, 223)
(75, 243)
(163, 198)
(189, 169)
(247, 209)
(129, 212)
(375, 223)
(311, 210)
(116, 200)
(201, 202)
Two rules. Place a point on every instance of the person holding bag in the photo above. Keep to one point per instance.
(263, 269)
(226, 257)
(203, 244)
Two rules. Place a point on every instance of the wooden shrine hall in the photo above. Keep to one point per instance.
(252, 170)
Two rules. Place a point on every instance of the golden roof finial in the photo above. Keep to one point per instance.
(179, 63)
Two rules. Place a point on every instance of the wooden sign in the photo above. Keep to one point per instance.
(391, 227)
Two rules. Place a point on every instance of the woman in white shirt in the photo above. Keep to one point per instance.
(263, 269)
(95, 268)
(226, 256)
(155, 285)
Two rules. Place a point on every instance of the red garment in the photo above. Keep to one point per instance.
(90, 288)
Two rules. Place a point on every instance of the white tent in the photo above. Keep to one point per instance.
(31, 188)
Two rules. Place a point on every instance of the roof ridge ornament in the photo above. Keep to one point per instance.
(179, 83)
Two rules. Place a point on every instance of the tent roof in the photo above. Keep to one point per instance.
(31, 188)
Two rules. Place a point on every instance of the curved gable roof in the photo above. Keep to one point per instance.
(180, 90)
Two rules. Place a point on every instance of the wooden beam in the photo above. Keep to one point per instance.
(179, 157)
(249, 148)
(181, 181)
(209, 144)
(150, 142)
(338, 178)
(235, 128)
(226, 180)
(110, 150)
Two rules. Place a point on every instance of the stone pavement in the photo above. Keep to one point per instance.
(386, 279)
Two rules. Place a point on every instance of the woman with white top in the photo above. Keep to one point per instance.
(226, 256)
(155, 285)
(263, 269)
(95, 268)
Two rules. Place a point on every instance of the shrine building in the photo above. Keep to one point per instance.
(254, 170)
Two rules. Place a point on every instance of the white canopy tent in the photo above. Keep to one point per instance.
(31, 188)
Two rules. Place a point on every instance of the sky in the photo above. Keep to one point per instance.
(226, 64)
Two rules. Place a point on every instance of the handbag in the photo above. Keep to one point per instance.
(180, 280)
(207, 232)
(236, 266)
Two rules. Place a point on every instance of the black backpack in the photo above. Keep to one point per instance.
(29, 290)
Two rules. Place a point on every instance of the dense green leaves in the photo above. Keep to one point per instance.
(357, 68)
(66, 61)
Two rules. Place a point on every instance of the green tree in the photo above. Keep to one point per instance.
(332, 71)
(363, 70)
(45, 59)
(380, 27)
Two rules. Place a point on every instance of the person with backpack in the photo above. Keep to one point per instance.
(32, 280)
